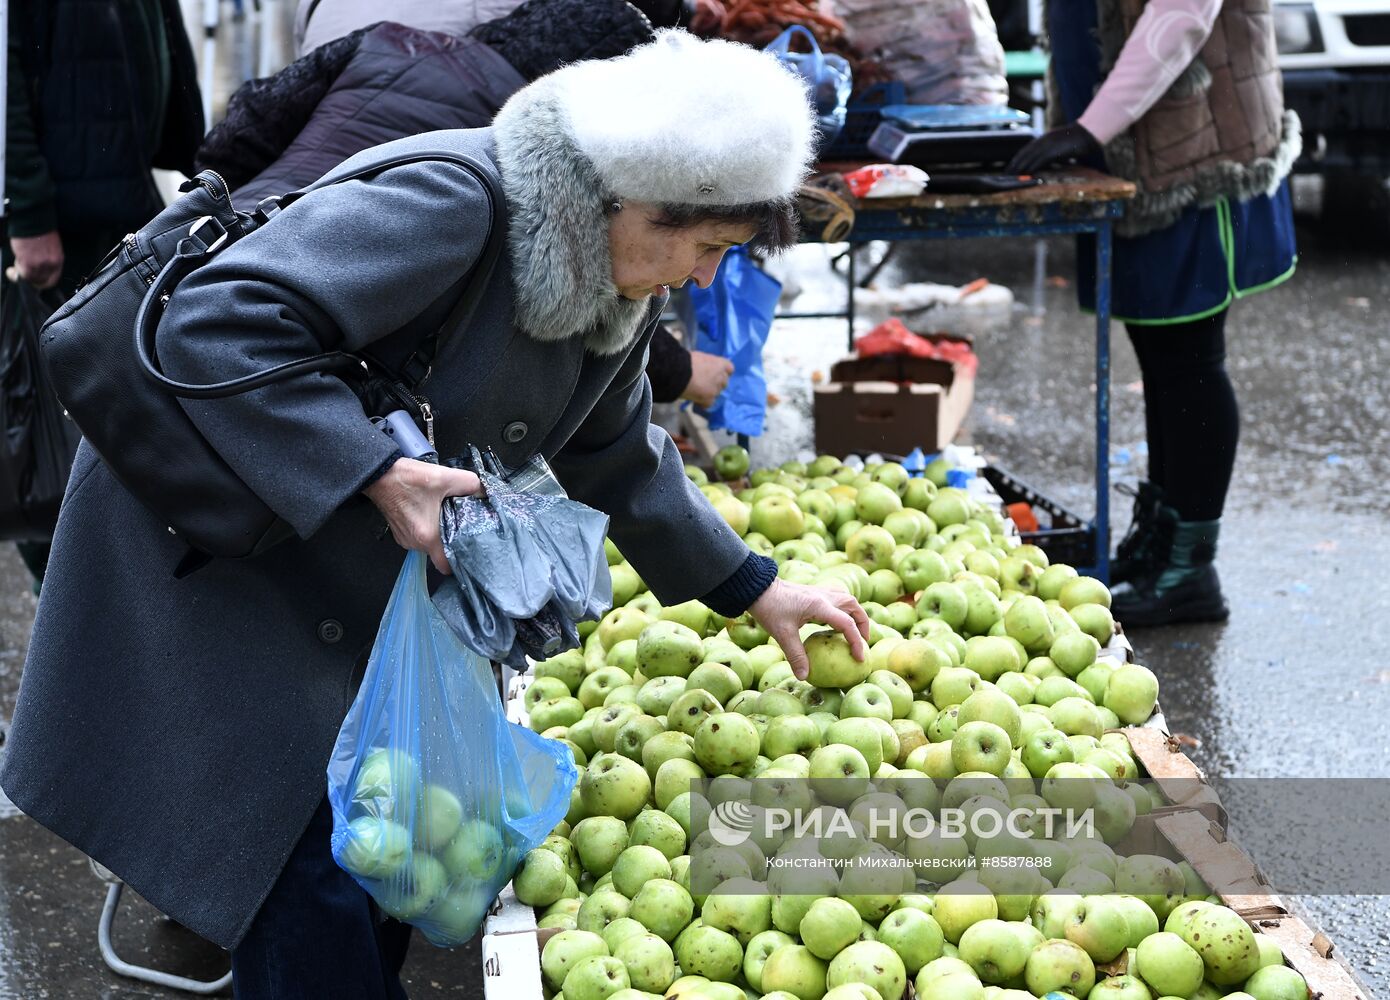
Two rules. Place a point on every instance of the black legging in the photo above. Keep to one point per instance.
(1190, 413)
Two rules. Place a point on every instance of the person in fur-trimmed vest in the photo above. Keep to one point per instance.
(1184, 98)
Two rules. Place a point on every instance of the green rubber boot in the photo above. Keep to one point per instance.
(1137, 554)
(1182, 586)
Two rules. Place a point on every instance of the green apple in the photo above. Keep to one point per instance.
(1076, 717)
(690, 710)
(757, 952)
(664, 746)
(921, 568)
(716, 678)
(730, 462)
(650, 963)
(1050, 583)
(871, 547)
(619, 931)
(726, 743)
(1073, 652)
(609, 721)
(1028, 622)
(1044, 749)
(567, 949)
(1123, 987)
(662, 907)
(993, 706)
(373, 847)
(872, 963)
(654, 828)
(794, 970)
(980, 746)
(866, 701)
(740, 907)
(668, 649)
(991, 656)
(1276, 982)
(603, 906)
(596, 687)
(1225, 942)
(1132, 693)
(1095, 678)
(916, 661)
(874, 502)
(860, 733)
(914, 935)
(961, 903)
(829, 926)
(832, 663)
(599, 840)
(995, 950)
(1083, 590)
(1182, 916)
(595, 978)
(1095, 620)
(1157, 881)
(638, 865)
(839, 774)
(791, 734)
(1099, 926)
(952, 685)
(613, 785)
(946, 601)
(540, 880)
(707, 951)
(1169, 965)
(622, 622)
(778, 518)
(1059, 966)
(982, 609)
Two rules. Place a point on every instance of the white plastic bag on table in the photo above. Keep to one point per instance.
(436, 796)
(944, 51)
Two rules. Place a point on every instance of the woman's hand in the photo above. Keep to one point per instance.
(785, 607)
(709, 375)
(410, 496)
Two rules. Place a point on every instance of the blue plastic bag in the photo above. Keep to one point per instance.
(733, 318)
(828, 79)
(436, 796)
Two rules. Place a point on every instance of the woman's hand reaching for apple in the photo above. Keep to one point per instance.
(784, 607)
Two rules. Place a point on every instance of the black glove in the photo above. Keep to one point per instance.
(1070, 142)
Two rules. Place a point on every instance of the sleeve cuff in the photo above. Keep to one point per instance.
(736, 594)
(382, 469)
(35, 220)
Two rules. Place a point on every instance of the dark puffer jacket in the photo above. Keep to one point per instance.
(388, 81)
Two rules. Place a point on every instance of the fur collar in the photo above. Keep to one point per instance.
(558, 229)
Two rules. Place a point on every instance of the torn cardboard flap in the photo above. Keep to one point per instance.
(1180, 780)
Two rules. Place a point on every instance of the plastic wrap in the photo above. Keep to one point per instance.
(943, 51)
(435, 795)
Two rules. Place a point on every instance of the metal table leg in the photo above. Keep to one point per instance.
(123, 968)
(1102, 521)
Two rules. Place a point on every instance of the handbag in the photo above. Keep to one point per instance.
(128, 409)
(36, 442)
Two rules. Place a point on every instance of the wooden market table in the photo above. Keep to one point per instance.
(1072, 200)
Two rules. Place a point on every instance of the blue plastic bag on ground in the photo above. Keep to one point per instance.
(734, 317)
(436, 796)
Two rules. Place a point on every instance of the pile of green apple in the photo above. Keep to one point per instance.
(984, 689)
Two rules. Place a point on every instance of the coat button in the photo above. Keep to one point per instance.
(514, 432)
(330, 630)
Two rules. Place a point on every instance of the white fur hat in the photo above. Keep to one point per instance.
(690, 122)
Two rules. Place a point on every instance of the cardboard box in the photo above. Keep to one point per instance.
(1180, 780)
(1186, 835)
(891, 403)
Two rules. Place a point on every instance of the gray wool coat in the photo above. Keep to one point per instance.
(178, 730)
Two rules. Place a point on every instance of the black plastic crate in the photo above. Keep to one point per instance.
(862, 116)
(1067, 538)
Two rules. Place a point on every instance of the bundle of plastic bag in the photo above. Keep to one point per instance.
(435, 795)
(528, 564)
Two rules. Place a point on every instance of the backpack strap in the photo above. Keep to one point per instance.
(207, 236)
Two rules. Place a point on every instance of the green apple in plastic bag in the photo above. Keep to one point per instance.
(476, 852)
(415, 888)
(374, 847)
(387, 781)
(437, 818)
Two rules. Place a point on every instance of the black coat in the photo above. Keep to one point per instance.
(86, 74)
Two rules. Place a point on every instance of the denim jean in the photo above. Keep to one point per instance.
(319, 934)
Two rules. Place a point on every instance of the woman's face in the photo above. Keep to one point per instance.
(649, 258)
